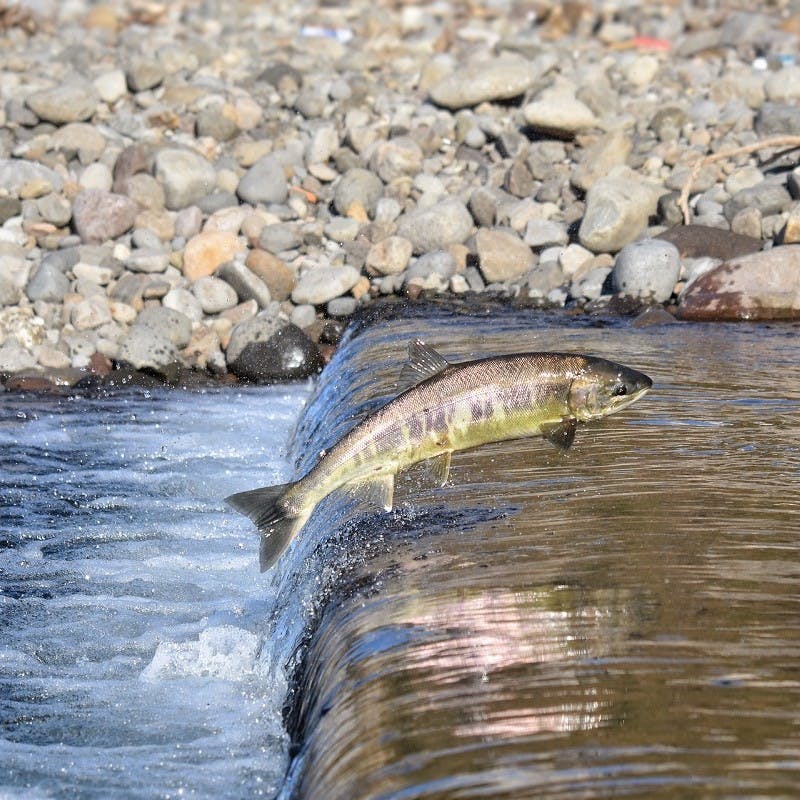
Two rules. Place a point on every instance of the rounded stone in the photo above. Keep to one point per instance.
(214, 295)
(168, 322)
(498, 79)
(99, 216)
(390, 256)
(185, 175)
(288, 354)
(183, 301)
(265, 182)
(207, 251)
(357, 187)
(502, 255)
(647, 270)
(618, 209)
(321, 284)
(48, 283)
(64, 104)
(148, 348)
(436, 227)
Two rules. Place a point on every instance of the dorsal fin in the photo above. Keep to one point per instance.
(423, 362)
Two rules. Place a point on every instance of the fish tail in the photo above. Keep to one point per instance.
(275, 524)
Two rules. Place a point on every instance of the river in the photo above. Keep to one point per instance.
(619, 620)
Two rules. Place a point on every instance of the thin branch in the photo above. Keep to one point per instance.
(788, 142)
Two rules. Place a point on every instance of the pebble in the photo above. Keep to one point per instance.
(435, 228)
(278, 276)
(498, 79)
(390, 256)
(214, 295)
(319, 285)
(647, 270)
(246, 284)
(265, 183)
(358, 188)
(502, 255)
(207, 251)
(66, 103)
(618, 208)
(99, 216)
(186, 176)
(559, 113)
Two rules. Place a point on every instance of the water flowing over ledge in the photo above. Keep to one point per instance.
(613, 621)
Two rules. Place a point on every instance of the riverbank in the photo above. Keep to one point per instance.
(206, 191)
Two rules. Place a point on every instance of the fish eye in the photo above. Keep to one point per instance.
(620, 390)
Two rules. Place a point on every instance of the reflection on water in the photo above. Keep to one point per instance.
(622, 620)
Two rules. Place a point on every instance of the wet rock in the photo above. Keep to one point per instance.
(357, 188)
(288, 354)
(99, 216)
(185, 176)
(502, 255)
(618, 209)
(758, 286)
(436, 227)
(499, 79)
(652, 316)
(321, 284)
(63, 104)
(207, 251)
(700, 241)
(647, 270)
(265, 182)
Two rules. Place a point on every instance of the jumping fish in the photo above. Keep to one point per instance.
(448, 407)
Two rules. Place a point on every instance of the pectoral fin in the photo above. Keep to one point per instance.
(561, 434)
(379, 491)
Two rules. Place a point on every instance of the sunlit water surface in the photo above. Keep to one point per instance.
(619, 621)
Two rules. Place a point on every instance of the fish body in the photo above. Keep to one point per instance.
(449, 407)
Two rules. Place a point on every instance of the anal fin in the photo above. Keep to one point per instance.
(562, 433)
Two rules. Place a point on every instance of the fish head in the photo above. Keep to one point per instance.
(603, 387)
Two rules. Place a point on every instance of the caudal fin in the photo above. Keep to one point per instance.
(276, 526)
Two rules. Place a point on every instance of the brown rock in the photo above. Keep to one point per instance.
(791, 231)
(758, 286)
(702, 241)
(276, 274)
(502, 254)
(208, 250)
(99, 216)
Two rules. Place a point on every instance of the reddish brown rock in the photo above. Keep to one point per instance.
(759, 286)
(703, 241)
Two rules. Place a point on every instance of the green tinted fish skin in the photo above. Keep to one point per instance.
(453, 407)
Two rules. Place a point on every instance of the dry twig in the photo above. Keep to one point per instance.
(787, 142)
